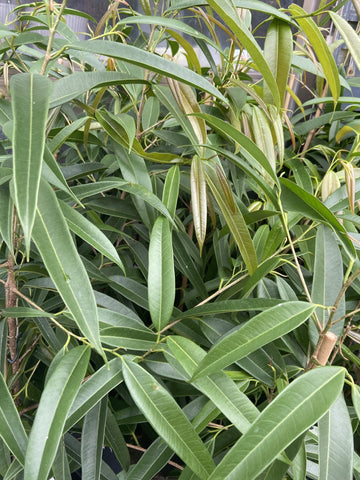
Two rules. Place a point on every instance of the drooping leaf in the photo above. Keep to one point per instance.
(11, 428)
(161, 276)
(320, 47)
(115, 127)
(278, 50)
(219, 388)
(30, 94)
(165, 416)
(93, 390)
(298, 407)
(198, 199)
(336, 446)
(247, 147)
(171, 190)
(256, 5)
(53, 408)
(351, 38)
(74, 85)
(260, 330)
(115, 440)
(297, 199)
(53, 240)
(228, 306)
(232, 214)
(228, 13)
(327, 280)
(148, 61)
(90, 233)
(92, 440)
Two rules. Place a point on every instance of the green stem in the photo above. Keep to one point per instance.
(52, 32)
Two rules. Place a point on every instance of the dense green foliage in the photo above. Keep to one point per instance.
(179, 244)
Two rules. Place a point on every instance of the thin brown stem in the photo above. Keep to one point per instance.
(10, 302)
(141, 449)
(324, 335)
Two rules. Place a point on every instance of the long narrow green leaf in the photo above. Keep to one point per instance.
(351, 38)
(247, 147)
(30, 94)
(256, 5)
(148, 61)
(161, 277)
(53, 174)
(169, 23)
(115, 440)
(327, 281)
(151, 462)
(11, 428)
(260, 330)
(65, 132)
(73, 448)
(228, 306)
(228, 13)
(278, 50)
(90, 233)
(77, 83)
(165, 416)
(298, 407)
(171, 189)
(336, 444)
(320, 47)
(115, 127)
(299, 200)
(60, 466)
(263, 136)
(6, 215)
(92, 440)
(93, 390)
(53, 240)
(219, 388)
(233, 217)
(13, 471)
(55, 402)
